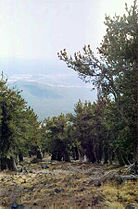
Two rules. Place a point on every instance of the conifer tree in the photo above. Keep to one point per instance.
(12, 107)
(19, 127)
(57, 138)
(115, 73)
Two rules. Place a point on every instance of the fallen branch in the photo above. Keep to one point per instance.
(130, 166)
(113, 175)
(127, 177)
(108, 175)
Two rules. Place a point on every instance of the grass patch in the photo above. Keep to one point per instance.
(64, 185)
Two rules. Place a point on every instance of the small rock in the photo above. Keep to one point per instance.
(56, 191)
(34, 203)
(50, 187)
(45, 166)
(97, 184)
(16, 206)
(130, 206)
(62, 190)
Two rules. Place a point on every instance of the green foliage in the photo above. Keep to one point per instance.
(12, 107)
(105, 130)
(56, 133)
(18, 124)
(32, 132)
(115, 75)
(89, 129)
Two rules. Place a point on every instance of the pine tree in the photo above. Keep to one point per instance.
(11, 107)
(57, 137)
(115, 74)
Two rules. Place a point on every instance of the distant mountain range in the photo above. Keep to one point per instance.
(49, 101)
(49, 89)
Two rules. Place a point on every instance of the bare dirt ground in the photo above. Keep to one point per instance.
(60, 185)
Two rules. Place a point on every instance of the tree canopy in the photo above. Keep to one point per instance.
(115, 73)
(18, 125)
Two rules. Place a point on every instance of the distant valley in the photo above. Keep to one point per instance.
(49, 101)
(48, 89)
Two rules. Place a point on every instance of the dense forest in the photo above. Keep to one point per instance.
(105, 131)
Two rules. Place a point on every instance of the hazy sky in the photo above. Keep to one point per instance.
(38, 29)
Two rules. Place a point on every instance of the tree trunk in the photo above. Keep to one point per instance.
(110, 156)
(75, 153)
(136, 105)
(20, 156)
(54, 156)
(11, 164)
(30, 154)
(90, 155)
(105, 154)
(136, 159)
(3, 163)
(66, 156)
(98, 153)
(39, 154)
(120, 157)
(59, 156)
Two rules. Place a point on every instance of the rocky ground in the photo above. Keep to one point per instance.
(59, 185)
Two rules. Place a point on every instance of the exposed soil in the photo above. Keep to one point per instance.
(63, 185)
